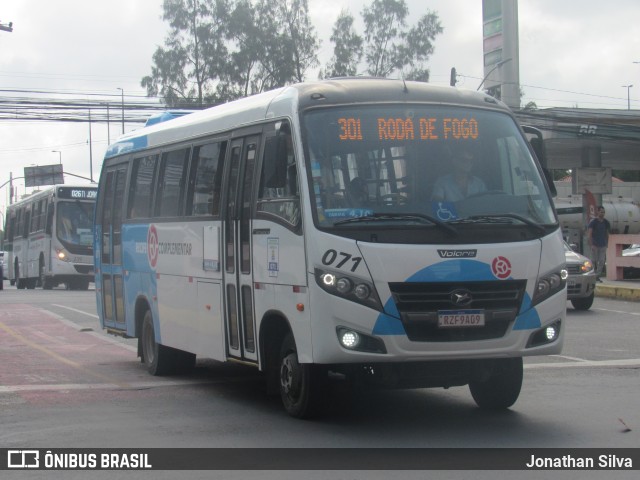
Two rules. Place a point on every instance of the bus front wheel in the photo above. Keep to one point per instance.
(501, 388)
(301, 384)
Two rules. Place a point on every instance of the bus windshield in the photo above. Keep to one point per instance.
(74, 223)
(423, 163)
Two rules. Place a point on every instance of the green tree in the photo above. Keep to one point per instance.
(195, 51)
(390, 46)
(219, 50)
(348, 48)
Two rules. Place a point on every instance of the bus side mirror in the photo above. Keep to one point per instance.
(275, 162)
(536, 141)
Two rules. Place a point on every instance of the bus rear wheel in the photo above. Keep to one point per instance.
(301, 385)
(20, 282)
(160, 359)
(501, 388)
(154, 355)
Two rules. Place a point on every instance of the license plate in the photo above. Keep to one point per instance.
(460, 318)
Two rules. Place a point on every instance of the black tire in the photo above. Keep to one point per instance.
(155, 356)
(45, 282)
(302, 385)
(20, 283)
(583, 303)
(500, 390)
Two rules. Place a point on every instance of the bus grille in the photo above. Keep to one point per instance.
(419, 303)
(84, 269)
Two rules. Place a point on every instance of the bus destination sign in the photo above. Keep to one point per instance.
(350, 128)
(78, 193)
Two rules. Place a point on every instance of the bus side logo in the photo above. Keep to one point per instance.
(152, 246)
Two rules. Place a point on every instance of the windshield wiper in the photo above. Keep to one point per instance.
(496, 217)
(384, 217)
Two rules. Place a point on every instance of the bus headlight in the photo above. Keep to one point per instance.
(62, 255)
(549, 285)
(348, 287)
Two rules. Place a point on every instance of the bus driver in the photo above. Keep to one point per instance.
(460, 183)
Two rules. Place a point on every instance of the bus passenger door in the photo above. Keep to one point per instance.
(238, 269)
(111, 248)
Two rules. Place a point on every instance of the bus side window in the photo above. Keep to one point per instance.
(27, 222)
(278, 193)
(171, 185)
(142, 183)
(205, 185)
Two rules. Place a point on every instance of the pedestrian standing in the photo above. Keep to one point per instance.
(598, 235)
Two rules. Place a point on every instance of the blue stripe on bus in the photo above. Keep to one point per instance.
(389, 323)
(127, 146)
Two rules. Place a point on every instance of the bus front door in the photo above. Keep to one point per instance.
(238, 269)
(110, 218)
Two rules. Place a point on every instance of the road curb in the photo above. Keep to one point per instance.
(619, 292)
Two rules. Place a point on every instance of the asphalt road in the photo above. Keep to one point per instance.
(66, 384)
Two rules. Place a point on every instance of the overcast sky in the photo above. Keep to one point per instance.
(572, 53)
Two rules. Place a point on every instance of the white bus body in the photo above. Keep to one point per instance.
(49, 238)
(232, 234)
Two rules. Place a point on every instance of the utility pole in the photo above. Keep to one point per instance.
(122, 91)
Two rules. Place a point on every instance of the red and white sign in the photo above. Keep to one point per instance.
(152, 246)
(501, 267)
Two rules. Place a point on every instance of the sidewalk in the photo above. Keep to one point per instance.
(620, 289)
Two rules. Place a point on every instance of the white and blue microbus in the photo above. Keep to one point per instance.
(391, 233)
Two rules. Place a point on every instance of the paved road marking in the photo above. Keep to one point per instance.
(627, 362)
(75, 310)
(80, 328)
(104, 386)
(616, 311)
(21, 338)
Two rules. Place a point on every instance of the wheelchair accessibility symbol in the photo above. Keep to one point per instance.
(445, 211)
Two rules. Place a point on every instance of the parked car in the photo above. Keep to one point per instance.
(632, 251)
(581, 283)
(4, 256)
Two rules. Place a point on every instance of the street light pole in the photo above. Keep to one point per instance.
(628, 87)
(59, 153)
(122, 92)
(499, 64)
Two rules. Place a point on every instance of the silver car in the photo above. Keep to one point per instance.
(581, 283)
(632, 251)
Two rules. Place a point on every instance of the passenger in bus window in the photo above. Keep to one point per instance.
(460, 183)
(357, 193)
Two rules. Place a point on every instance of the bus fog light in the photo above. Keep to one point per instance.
(551, 332)
(362, 291)
(349, 339)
